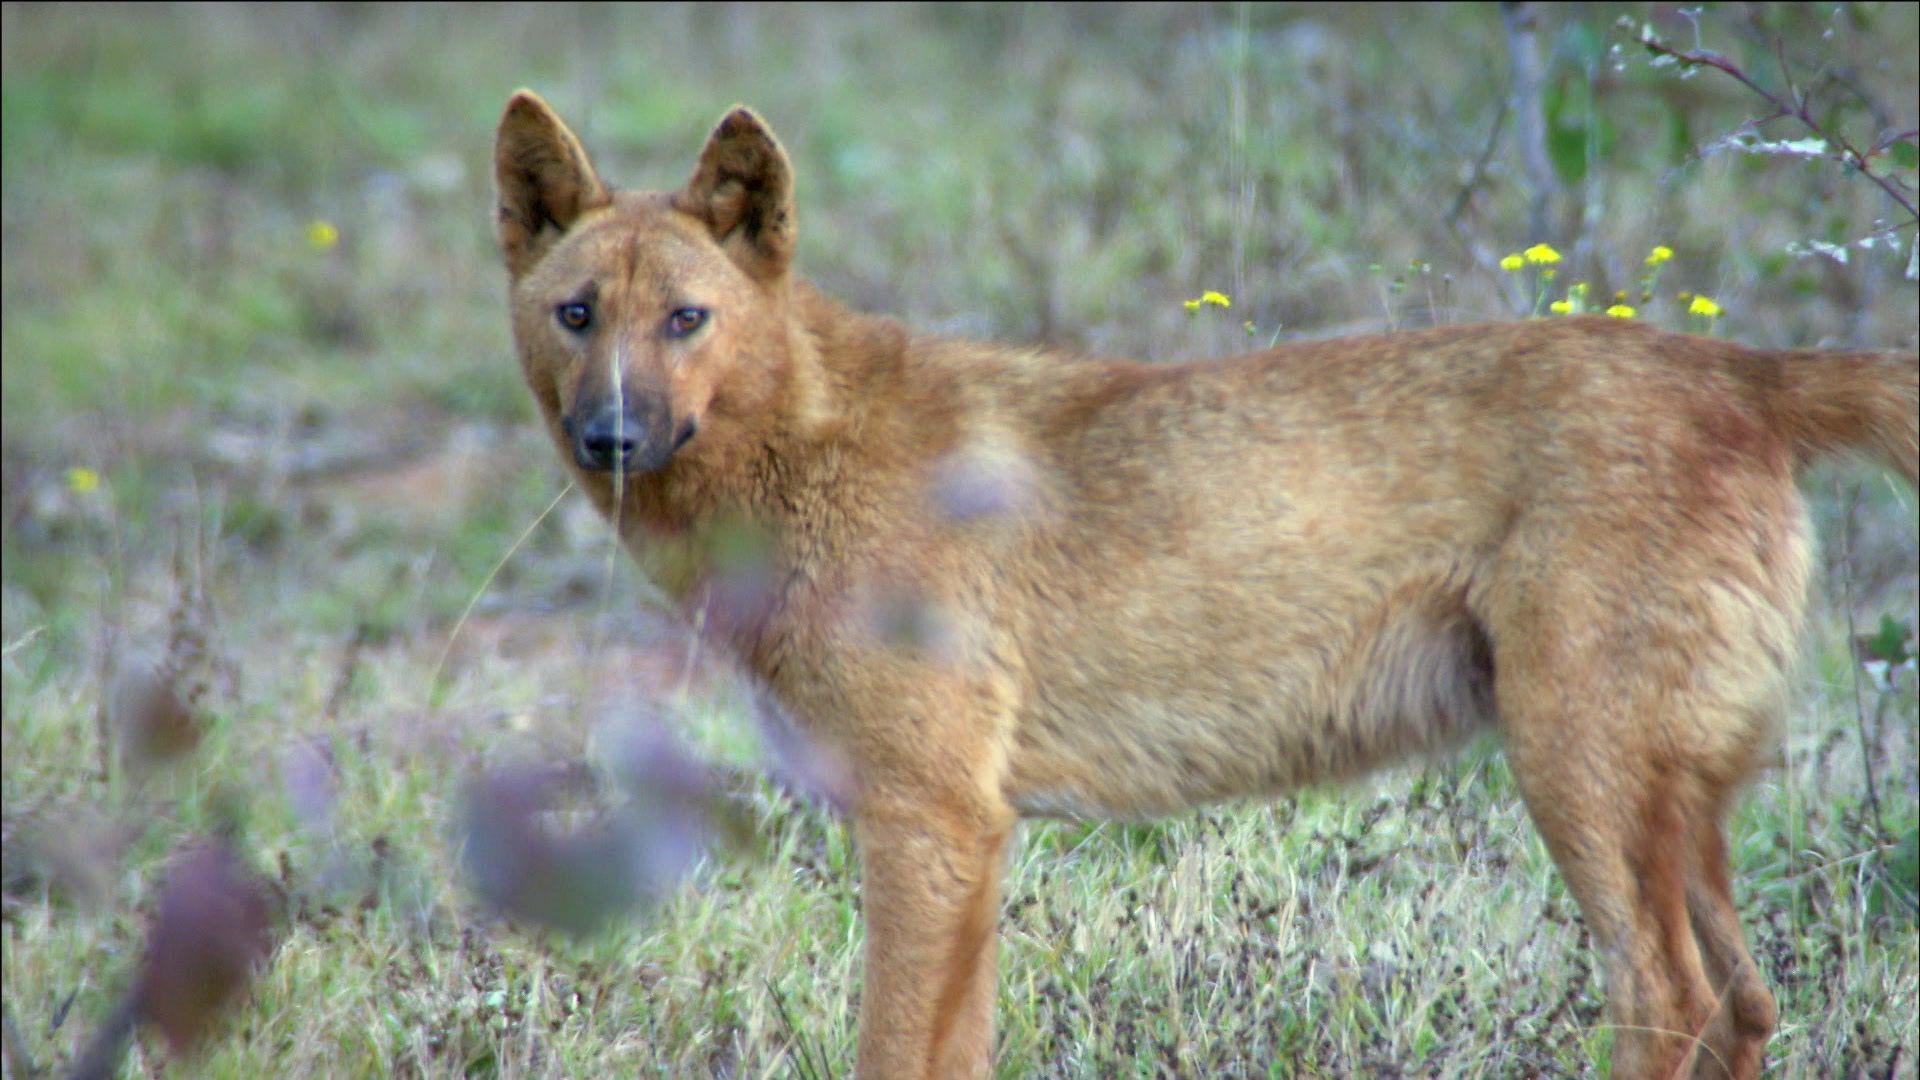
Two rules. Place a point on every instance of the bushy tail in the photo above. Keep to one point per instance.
(1865, 403)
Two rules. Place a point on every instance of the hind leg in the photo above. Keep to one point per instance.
(1746, 1015)
(1620, 842)
(1600, 754)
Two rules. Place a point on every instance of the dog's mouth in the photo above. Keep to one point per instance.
(616, 440)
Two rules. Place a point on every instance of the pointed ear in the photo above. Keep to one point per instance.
(743, 190)
(543, 180)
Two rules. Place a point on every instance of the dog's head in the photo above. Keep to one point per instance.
(652, 326)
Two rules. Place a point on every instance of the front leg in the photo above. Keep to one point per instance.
(931, 868)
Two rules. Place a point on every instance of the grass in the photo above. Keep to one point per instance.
(332, 445)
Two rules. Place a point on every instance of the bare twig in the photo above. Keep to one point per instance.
(101, 1059)
(1479, 172)
(1846, 596)
(806, 1067)
(1909, 135)
(103, 679)
(19, 1061)
(1523, 53)
(1798, 109)
(439, 666)
(349, 665)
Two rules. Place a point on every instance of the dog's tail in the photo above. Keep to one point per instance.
(1861, 402)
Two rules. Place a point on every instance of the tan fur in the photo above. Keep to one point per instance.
(1206, 581)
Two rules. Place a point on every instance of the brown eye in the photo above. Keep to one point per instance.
(686, 320)
(575, 316)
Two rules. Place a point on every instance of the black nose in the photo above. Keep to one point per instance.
(609, 439)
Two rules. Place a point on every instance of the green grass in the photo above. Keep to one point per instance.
(335, 445)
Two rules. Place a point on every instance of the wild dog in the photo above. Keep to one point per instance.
(1204, 581)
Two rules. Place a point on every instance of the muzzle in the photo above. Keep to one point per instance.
(609, 438)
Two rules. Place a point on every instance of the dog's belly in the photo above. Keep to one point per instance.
(1275, 596)
(1146, 721)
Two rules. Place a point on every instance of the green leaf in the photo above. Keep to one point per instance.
(1583, 46)
(1603, 133)
(1567, 148)
(1566, 135)
(1889, 644)
(1905, 154)
(1679, 138)
(1553, 103)
(1577, 135)
(1898, 889)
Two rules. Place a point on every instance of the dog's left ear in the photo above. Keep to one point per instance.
(743, 190)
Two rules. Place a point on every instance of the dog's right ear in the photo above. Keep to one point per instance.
(543, 180)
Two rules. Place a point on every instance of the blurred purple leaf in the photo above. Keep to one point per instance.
(211, 931)
(899, 616)
(75, 849)
(152, 715)
(799, 763)
(739, 578)
(311, 782)
(535, 853)
(983, 480)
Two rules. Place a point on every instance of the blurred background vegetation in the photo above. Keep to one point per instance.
(261, 417)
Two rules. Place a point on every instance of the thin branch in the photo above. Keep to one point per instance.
(1523, 58)
(1786, 73)
(1909, 135)
(1479, 172)
(101, 1059)
(1846, 596)
(19, 1061)
(1798, 109)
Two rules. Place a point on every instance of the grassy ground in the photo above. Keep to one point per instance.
(262, 424)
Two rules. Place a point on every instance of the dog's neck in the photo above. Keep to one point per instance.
(789, 488)
(852, 406)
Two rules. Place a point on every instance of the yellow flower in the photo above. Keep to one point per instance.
(1560, 307)
(81, 480)
(1209, 298)
(1192, 305)
(1621, 311)
(322, 235)
(1512, 263)
(1661, 253)
(1703, 306)
(1542, 255)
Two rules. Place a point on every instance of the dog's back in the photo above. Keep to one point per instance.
(1235, 577)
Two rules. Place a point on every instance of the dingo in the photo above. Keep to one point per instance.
(1203, 581)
